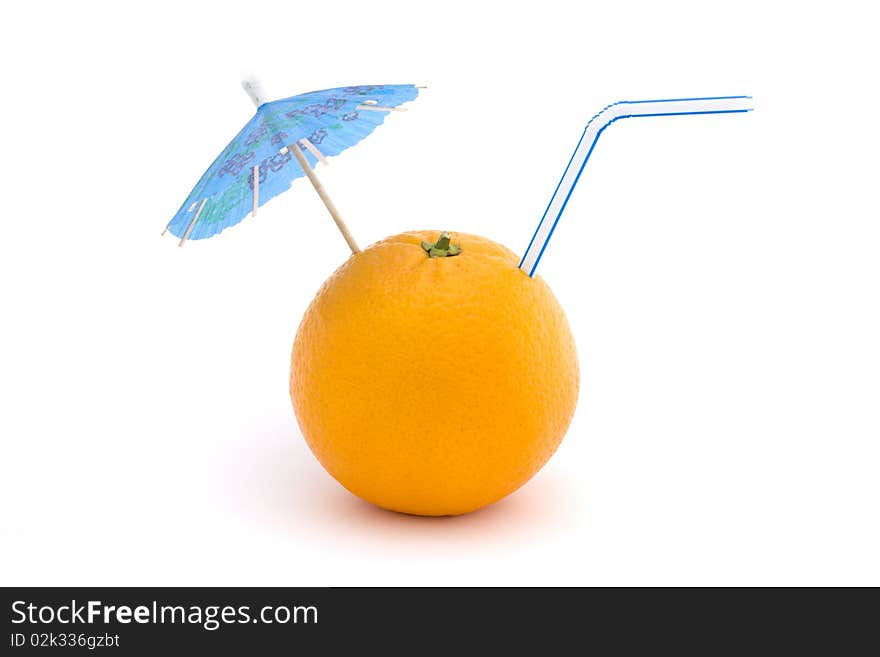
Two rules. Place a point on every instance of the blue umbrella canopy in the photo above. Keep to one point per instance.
(330, 120)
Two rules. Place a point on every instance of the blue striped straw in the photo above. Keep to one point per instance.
(624, 109)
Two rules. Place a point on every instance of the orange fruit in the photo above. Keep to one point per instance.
(433, 385)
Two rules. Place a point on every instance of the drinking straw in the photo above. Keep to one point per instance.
(625, 109)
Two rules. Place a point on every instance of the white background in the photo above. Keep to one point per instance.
(721, 276)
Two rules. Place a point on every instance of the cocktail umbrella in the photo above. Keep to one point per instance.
(283, 141)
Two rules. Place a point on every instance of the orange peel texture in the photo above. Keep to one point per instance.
(433, 385)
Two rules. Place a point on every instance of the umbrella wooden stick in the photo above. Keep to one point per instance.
(304, 163)
(255, 91)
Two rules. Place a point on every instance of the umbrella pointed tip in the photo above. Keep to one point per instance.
(254, 89)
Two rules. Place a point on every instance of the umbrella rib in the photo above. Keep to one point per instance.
(190, 209)
(380, 108)
(313, 150)
(331, 208)
(256, 191)
(192, 223)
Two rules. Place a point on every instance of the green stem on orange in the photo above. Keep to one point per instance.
(442, 248)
